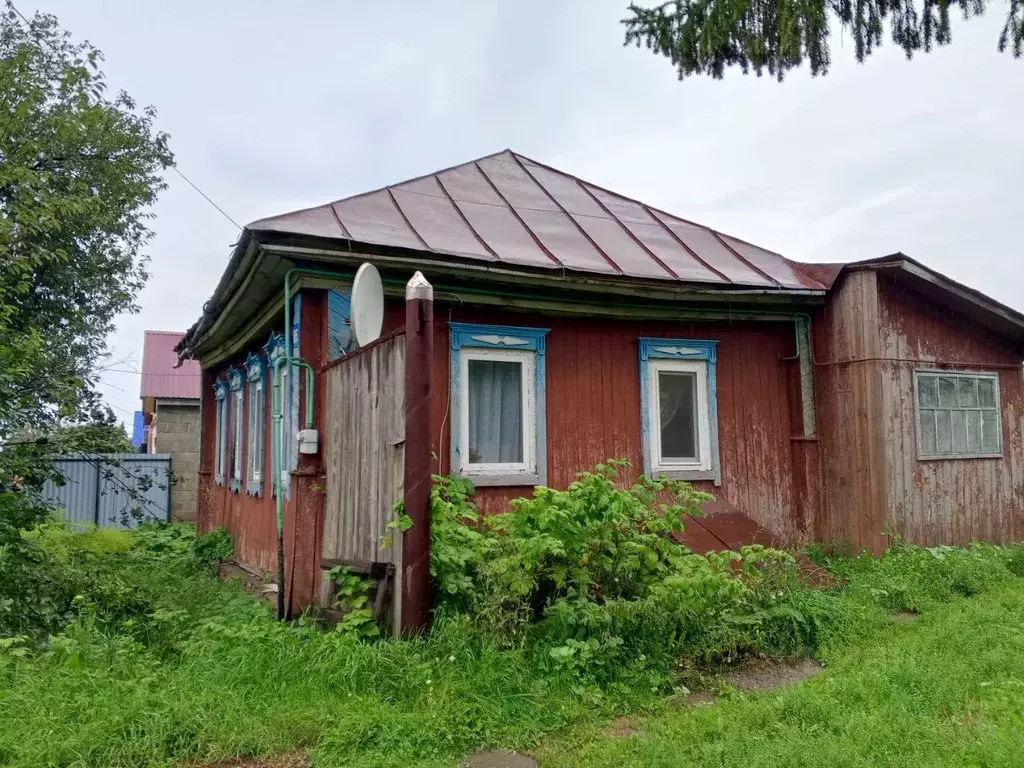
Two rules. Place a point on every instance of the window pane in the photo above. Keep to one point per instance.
(987, 393)
(947, 392)
(967, 392)
(495, 412)
(926, 430)
(973, 431)
(678, 408)
(990, 432)
(927, 396)
(943, 432)
(959, 419)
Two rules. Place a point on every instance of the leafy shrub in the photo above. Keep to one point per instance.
(162, 539)
(593, 581)
(213, 548)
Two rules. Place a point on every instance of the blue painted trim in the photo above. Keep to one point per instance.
(511, 337)
(236, 382)
(220, 394)
(255, 373)
(652, 348)
(273, 349)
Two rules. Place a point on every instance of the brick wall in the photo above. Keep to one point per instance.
(177, 433)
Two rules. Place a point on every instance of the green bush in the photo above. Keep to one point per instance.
(594, 583)
(213, 548)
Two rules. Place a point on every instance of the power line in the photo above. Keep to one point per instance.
(206, 197)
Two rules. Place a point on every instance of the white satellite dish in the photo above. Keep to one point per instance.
(367, 305)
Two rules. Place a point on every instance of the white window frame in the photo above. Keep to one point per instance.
(237, 411)
(699, 369)
(929, 373)
(256, 431)
(220, 433)
(528, 362)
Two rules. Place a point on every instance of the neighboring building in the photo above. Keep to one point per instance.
(572, 324)
(170, 410)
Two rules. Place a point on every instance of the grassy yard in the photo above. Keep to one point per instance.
(160, 664)
(947, 690)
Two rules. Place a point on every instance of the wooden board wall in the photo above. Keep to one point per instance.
(850, 413)
(949, 500)
(593, 405)
(364, 434)
(869, 339)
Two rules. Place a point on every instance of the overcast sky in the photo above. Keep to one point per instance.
(272, 107)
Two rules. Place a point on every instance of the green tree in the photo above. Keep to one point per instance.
(706, 36)
(78, 173)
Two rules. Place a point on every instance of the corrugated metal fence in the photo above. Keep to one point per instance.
(117, 490)
(364, 455)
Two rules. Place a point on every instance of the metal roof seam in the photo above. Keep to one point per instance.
(465, 218)
(394, 201)
(652, 212)
(627, 230)
(746, 261)
(519, 218)
(344, 230)
(582, 231)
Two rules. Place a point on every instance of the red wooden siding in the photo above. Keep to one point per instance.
(593, 405)
(850, 412)
(252, 520)
(948, 500)
(869, 339)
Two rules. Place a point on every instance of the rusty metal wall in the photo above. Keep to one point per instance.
(947, 500)
(363, 436)
(593, 406)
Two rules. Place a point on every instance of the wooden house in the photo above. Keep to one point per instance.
(571, 324)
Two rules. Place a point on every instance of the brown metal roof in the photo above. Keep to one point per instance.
(509, 210)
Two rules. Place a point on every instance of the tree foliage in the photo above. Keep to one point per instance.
(707, 36)
(78, 172)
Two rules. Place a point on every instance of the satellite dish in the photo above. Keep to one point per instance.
(367, 305)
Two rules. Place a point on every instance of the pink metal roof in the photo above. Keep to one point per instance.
(159, 376)
(507, 209)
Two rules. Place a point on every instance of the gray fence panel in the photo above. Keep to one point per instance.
(113, 490)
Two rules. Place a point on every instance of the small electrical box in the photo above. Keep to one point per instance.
(308, 441)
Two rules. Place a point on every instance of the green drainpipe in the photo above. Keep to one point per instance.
(277, 415)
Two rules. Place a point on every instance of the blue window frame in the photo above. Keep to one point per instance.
(255, 375)
(274, 349)
(498, 432)
(236, 382)
(679, 408)
(220, 394)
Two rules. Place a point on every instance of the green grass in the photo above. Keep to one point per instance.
(947, 690)
(173, 666)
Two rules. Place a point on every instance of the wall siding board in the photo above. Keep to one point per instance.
(364, 453)
(871, 475)
(949, 500)
(593, 411)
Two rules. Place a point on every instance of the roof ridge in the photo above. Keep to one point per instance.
(384, 188)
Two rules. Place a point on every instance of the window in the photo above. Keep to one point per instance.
(220, 394)
(497, 401)
(957, 415)
(235, 380)
(274, 350)
(678, 408)
(255, 374)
